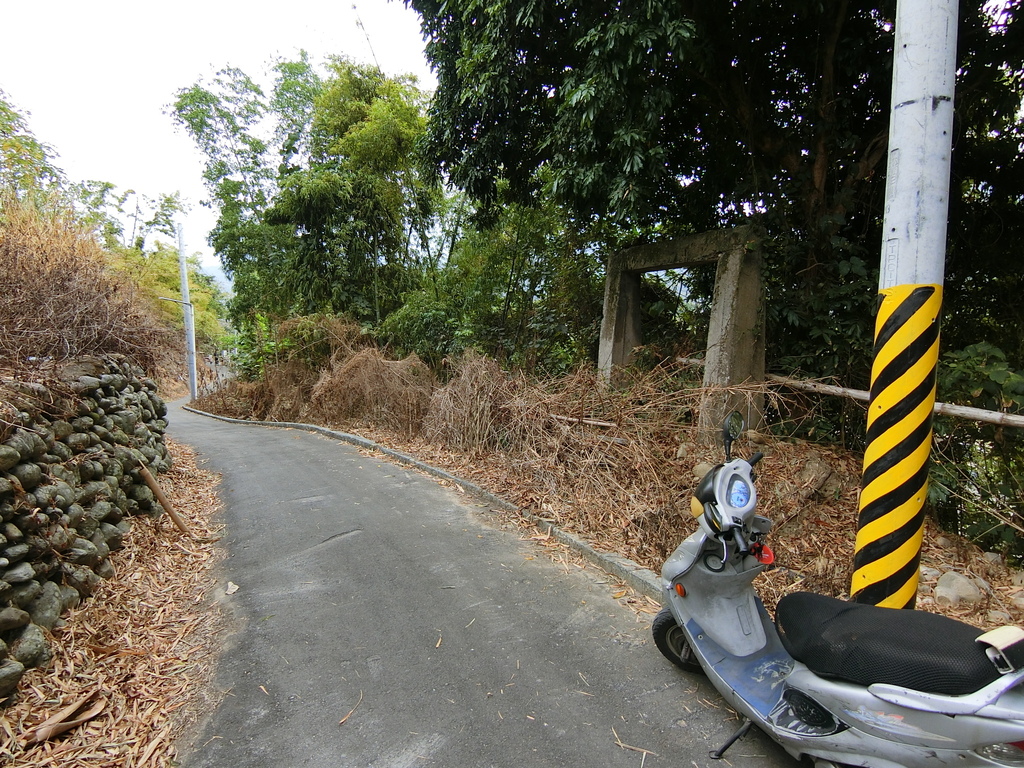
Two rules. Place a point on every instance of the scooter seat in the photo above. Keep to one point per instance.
(867, 644)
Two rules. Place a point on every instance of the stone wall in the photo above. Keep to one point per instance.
(69, 482)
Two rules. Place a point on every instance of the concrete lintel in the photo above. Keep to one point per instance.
(689, 251)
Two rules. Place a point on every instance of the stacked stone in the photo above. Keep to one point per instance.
(69, 480)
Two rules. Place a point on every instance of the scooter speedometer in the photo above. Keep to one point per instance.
(734, 490)
(739, 492)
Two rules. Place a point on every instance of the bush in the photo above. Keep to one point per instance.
(366, 386)
(976, 489)
(424, 326)
(60, 301)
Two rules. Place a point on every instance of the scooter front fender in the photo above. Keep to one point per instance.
(722, 601)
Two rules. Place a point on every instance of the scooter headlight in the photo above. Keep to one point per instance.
(1009, 754)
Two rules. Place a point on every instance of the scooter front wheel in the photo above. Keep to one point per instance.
(672, 642)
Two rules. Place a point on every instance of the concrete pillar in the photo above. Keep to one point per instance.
(735, 352)
(620, 327)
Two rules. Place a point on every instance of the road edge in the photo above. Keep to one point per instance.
(643, 580)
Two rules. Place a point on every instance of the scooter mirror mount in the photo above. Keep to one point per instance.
(731, 431)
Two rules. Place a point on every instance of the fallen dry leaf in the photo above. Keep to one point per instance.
(70, 717)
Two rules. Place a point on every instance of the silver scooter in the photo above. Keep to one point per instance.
(841, 683)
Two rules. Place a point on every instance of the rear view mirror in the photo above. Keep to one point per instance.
(731, 431)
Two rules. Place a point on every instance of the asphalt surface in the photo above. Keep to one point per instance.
(385, 621)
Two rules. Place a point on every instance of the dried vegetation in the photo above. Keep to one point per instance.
(327, 372)
(617, 466)
(394, 393)
(137, 657)
(59, 300)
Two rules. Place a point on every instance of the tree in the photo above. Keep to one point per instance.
(675, 115)
(525, 290)
(126, 219)
(225, 119)
(665, 115)
(355, 208)
(329, 225)
(26, 164)
(156, 272)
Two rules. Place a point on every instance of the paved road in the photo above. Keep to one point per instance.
(367, 586)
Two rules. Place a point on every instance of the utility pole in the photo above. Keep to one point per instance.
(890, 527)
(190, 324)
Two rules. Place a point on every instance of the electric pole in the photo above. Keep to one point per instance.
(890, 527)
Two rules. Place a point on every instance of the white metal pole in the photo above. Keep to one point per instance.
(920, 142)
(190, 325)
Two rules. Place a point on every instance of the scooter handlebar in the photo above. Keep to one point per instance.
(755, 458)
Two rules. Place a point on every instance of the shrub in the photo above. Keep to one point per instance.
(60, 301)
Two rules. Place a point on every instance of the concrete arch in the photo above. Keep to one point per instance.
(735, 347)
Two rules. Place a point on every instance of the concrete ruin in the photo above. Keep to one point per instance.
(735, 346)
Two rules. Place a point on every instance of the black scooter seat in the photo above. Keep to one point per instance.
(866, 644)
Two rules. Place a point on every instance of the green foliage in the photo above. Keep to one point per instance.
(661, 112)
(680, 114)
(352, 207)
(976, 486)
(523, 85)
(981, 375)
(296, 87)
(225, 119)
(26, 164)
(252, 347)
(156, 272)
(328, 227)
(527, 291)
(126, 219)
(721, 111)
(503, 268)
(426, 325)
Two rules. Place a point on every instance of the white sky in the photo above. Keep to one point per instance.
(96, 76)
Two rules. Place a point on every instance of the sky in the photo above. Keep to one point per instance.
(94, 79)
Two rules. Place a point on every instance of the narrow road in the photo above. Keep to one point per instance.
(372, 595)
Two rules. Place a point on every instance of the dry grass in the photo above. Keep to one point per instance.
(366, 386)
(59, 300)
(603, 463)
(476, 411)
(354, 382)
(144, 644)
(617, 468)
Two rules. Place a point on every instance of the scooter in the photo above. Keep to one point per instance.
(840, 683)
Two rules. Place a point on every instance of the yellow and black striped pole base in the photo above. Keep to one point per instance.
(895, 478)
